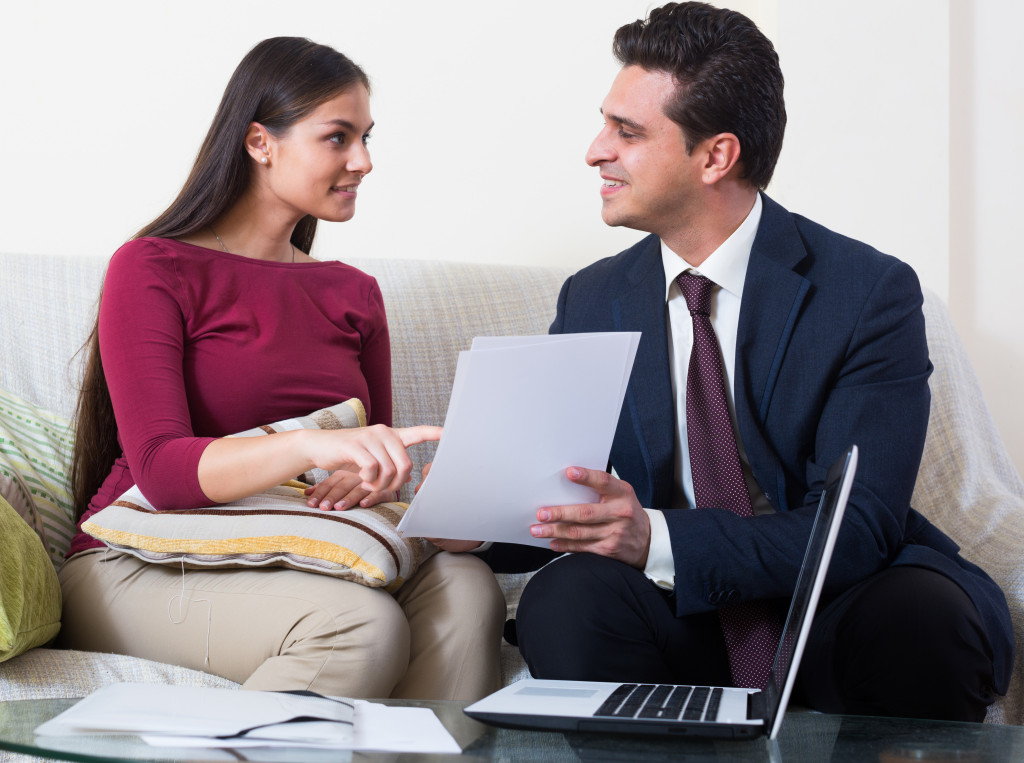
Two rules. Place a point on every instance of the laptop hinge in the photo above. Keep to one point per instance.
(757, 706)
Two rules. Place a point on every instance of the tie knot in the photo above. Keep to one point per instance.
(697, 292)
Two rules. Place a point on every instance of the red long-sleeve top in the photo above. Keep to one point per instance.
(198, 344)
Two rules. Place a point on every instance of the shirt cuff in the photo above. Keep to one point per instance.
(661, 566)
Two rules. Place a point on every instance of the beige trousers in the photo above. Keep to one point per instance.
(438, 637)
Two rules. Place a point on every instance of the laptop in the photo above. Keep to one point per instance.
(674, 710)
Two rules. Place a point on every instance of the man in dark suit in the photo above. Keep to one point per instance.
(822, 345)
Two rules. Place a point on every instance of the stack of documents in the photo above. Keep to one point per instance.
(522, 410)
(185, 716)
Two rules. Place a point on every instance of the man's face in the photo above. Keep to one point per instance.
(650, 182)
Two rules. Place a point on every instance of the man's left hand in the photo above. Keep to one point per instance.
(616, 526)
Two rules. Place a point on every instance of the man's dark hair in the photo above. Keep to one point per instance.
(727, 78)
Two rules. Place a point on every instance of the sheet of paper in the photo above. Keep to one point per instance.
(493, 342)
(305, 734)
(378, 728)
(183, 716)
(159, 709)
(522, 410)
(386, 728)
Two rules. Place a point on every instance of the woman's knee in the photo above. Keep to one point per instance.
(472, 582)
(456, 611)
(455, 587)
(352, 642)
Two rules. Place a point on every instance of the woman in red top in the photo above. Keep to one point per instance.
(214, 320)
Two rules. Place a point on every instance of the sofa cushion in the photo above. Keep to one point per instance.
(29, 592)
(67, 673)
(272, 529)
(35, 450)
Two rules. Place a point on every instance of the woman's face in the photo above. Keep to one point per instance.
(315, 168)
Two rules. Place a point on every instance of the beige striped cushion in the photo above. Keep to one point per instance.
(272, 529)
(35, 449)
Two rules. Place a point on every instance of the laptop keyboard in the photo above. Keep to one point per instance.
(662, 702)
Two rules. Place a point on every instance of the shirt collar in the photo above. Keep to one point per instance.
(727, 265)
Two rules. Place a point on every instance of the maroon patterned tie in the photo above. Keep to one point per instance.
(752, 629)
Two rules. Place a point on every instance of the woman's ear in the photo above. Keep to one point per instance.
(257, 143)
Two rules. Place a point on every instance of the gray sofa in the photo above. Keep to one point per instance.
(967, 484)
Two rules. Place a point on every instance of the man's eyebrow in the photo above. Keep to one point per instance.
(345, 124)
(634, 126)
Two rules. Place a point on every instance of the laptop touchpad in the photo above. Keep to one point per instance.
(545, 691)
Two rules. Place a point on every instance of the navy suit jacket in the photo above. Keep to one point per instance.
(830, 351)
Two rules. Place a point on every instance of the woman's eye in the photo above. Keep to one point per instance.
(366, 138)
(338, 138)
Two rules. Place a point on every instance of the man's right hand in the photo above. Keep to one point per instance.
(616, 526)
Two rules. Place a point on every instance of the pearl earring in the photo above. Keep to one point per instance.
(263, 160)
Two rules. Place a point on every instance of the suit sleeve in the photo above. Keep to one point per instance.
(872, 393)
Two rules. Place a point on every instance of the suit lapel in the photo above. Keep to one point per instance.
(649, 402)
(773, 295)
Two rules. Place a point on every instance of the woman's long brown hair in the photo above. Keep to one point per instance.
(279, 82)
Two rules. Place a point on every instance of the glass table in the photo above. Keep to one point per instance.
(805, 737)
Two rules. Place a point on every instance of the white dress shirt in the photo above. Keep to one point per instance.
(727, 268)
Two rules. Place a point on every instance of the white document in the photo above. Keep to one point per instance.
(522, 410)
(184, 716)
(305, 734)
(378, 728)
(164, 709)
(387, 728)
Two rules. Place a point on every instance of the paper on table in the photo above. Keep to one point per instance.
(306, 734)
(163, 709)
(400, 729)
(185, 716)
(522, 410)
(380, 728)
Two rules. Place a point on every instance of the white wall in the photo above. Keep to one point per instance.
(483, 114)
(986, 157)
(867, 93)
(905, 131)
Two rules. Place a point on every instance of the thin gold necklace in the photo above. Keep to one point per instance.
(229, 252)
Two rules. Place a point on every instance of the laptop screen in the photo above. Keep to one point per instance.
(809, 583)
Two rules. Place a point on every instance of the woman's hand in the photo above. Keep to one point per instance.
(341, 490)
(377, 453)
(235, 467)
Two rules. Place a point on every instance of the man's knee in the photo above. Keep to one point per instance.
(589, 617)
(570, 593)
(911, 644)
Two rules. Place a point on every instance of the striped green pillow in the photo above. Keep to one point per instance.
(35, 453)
(29, 591)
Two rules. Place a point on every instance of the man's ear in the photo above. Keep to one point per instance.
(722, 154)
(257, 143)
